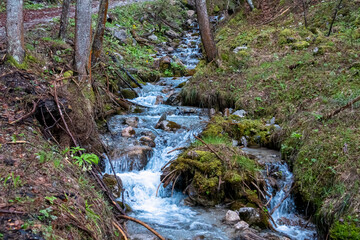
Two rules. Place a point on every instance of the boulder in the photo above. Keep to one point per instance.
(174, 100)
(132, 121)
(127, 93)
(119, 34)
(250, 215)
(167, 126)
(159, 100)
(249, 235)
(273, 236)
(239, 113)
(128, 132)
(241, 226)
(190, 13)
(147, 141)
(132, 157)
(165, 63)
(149, 134)
(231, 217)
(153, 37)
(112, 184)
(172, 34)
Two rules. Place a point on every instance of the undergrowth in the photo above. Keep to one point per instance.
(278, 68)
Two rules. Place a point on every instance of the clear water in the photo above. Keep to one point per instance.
(165, 213)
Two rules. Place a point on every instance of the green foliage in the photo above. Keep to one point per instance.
(345, 230)
(85, 160)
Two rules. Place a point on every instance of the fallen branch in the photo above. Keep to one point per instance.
(127, 84)
(143, 224)
(209, 147)
(28, 114)
(174, 182)
(268, 202)
(12, 212)
(342, 108)
(176, 149)
(120, 230)
(282, 200)
(17, 142)
(163, 180)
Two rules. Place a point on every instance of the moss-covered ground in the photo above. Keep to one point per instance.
(279, 68)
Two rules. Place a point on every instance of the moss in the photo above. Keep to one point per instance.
(25, 65)
(300, 45)
(344, 230)
(286, 36)
(127, 93)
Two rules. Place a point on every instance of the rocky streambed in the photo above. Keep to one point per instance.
(144, 141)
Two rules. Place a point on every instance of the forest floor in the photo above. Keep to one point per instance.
(35, 17)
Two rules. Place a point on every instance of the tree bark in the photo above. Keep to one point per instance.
(82, 49)
(205, 30)
(64, 20)
(15, 30)
(99, 33)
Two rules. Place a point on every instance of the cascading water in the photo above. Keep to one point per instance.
(166, 213)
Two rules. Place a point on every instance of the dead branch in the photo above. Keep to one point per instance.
(282, 200)
(117, 73)
(176, 149)
(209, 147)
(174, 182)
(12, 212)
(62, 116)
(120, 230)
(167, 164)
(143, 224)
(163, 180)
(268, 202)
(28, 114)
(349, 104)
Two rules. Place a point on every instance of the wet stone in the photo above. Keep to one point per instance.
(231, 217)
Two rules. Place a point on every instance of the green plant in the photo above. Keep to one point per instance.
(51, 199)
(85, 160)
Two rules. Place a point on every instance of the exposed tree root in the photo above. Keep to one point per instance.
(143, 224)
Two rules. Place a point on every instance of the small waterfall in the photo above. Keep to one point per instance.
(168, 215)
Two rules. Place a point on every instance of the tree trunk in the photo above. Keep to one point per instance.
(100, 29)
(82, 48)
(205, 30)
(250, 4)
(15, 30)
(64, 19)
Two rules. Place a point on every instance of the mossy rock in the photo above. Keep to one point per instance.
(123, 206)
(127, 93)
(287, 36)
(181, 85)
(300, 45)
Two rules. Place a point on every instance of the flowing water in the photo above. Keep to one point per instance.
(165, 213)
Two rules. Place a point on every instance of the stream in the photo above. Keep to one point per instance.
(168, 214)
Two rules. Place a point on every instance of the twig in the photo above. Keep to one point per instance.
(268, 202)
(209, 147)
(167, 164)
(28, 114)
(12, 212)
(342, 108)
(163, 180)
(173, 186)
(17, 142)
(144, 224)
(257, 187)
(176, 149)
(62, 116)
(282, 200)
(5, 74)
(334, 17)
(120, 230)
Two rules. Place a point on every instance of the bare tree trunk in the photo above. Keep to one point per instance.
(250, 4)
(99, 34)
(64, 19)
(15, 30)
(205, 30)
(82, 47)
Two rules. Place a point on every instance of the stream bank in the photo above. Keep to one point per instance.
(143, 143)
